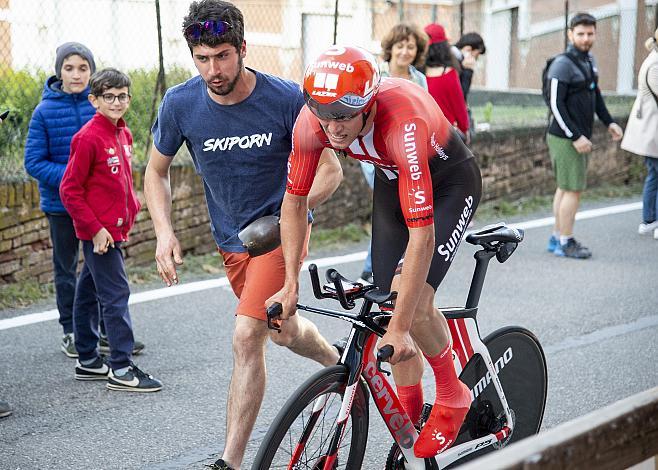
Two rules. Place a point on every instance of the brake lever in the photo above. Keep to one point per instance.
(274, 311)
(383, 355)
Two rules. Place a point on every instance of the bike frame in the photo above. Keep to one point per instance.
(360, 359)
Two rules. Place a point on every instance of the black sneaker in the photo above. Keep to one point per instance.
(220, 465)
(573, 249)
(97, 370)
(5, 409)
(135, 380)
(104, 346)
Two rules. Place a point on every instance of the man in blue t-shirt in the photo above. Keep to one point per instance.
(237, 124)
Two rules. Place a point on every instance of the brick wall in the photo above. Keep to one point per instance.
(514, 163)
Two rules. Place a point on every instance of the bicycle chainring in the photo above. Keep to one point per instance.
(503, 443)
(482, 420)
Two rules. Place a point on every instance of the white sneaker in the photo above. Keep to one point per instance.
(655, 234)
(646, 229)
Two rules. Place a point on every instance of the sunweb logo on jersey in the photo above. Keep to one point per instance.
(410, 151)
(418, 195)
(324, 84)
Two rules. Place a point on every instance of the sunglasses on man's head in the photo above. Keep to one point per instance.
(214, 27)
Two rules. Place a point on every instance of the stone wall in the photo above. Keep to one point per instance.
(514, 163)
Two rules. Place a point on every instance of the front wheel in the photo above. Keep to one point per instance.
(300, 435)
(519, 359)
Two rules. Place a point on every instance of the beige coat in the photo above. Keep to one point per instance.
(641, 135)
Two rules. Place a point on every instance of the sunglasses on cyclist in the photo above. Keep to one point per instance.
(215, 28)
(109, 98)
(344, 109)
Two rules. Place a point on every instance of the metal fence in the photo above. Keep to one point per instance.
(142, 38)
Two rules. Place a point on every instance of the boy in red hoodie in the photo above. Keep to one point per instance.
(97, 191)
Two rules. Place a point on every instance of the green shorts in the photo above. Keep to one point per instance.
(569, 166)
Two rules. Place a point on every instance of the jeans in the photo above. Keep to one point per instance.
(65, 263)
(103, 279)
(650, 191)
(367, 265)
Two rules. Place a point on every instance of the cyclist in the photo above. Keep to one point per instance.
(427, 187)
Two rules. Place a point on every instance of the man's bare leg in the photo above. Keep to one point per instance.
(248, 375)
(568, 207)
(302, 337)
(557, 199)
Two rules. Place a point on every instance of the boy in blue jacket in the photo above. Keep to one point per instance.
(63, 110)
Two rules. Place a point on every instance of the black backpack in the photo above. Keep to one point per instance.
(545, 83)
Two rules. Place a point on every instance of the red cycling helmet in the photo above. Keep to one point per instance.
(341, 83)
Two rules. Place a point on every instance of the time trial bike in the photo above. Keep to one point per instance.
(324, 424)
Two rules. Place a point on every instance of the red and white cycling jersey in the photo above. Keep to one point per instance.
(410, 134)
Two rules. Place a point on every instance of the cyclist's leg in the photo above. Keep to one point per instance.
(389, 231)
(389, 240)
(455, 200)
(408, 378)
(453, 398)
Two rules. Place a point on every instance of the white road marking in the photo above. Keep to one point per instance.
(181, 289)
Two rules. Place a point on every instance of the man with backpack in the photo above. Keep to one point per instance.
(571, 91)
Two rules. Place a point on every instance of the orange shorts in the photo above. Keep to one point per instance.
(254, 280)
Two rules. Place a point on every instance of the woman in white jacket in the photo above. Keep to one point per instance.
(642, 135)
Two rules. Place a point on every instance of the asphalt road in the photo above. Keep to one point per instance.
(597, 320)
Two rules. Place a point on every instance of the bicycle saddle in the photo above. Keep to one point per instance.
(495, 233)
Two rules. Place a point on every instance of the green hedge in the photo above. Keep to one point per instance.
(21, 92)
